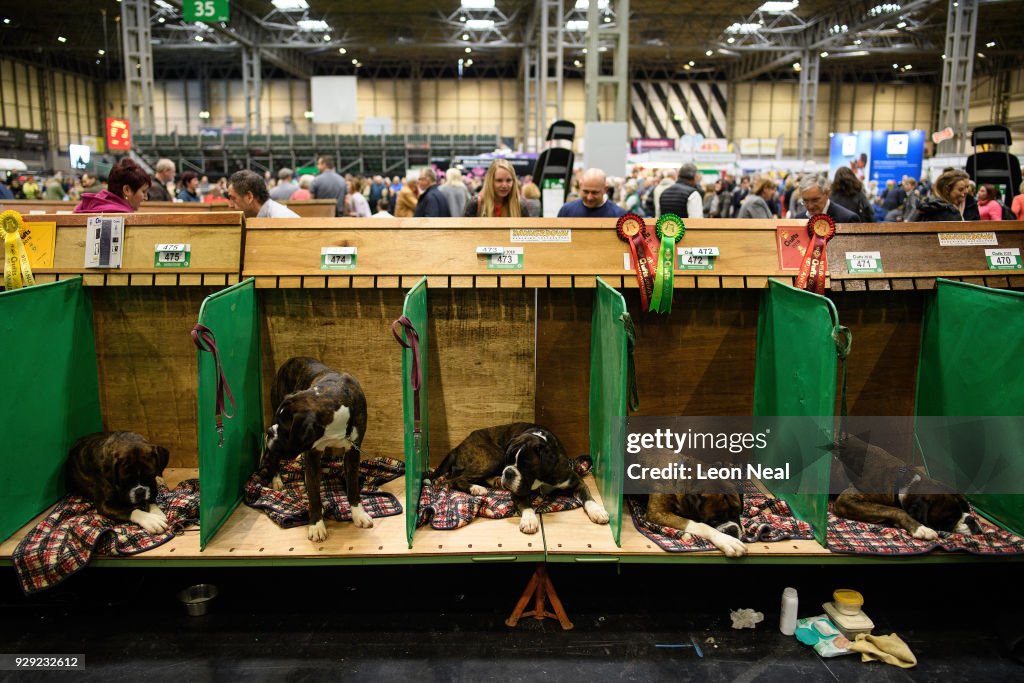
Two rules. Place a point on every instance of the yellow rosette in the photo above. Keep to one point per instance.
(17, 270)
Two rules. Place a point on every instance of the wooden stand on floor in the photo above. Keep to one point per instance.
(540, 589)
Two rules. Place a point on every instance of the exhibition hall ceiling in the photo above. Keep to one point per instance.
(736, 39)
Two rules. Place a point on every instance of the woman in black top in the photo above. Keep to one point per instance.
(948, 202)
(848, 192)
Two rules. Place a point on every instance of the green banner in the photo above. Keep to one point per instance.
(972, 343)
(609, 380)
(208, 11)
(52, 394)
(417, 451)
(795, 376)
(232, 315)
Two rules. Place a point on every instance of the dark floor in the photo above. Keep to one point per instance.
(441, 623)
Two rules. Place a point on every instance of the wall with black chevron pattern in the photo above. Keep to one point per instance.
(667, 109)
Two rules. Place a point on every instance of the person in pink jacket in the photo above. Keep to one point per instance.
(988, 206)
(127, 186)
(1018, 203)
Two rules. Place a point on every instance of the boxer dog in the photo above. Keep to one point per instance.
(318, 411)
(119, 473)
(521, 458)
(884, 490)
(713, 514)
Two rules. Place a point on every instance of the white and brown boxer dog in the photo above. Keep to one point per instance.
(525, 458)
(318, 410)
(119, 473)
(712, 514)
(881, 489)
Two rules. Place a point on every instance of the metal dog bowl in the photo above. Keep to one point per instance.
(197, 598)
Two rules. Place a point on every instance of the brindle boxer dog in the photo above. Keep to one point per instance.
(119, 472)
(713, 514)
(884, 490)
(521, 458)
(318, 411)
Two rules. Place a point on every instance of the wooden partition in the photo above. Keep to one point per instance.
(51, 206)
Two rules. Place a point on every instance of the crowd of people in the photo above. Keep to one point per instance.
(500, 192)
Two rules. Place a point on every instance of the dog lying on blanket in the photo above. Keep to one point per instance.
(318, 411)
(119, 472)
(713, 514)
(881, 489)
(521, 458)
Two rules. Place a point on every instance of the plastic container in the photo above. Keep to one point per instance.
(787, 618)
(848, 601)
(197, 598)
(849, 625)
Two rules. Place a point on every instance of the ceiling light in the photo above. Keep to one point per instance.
(603, 48)
(290, 5)
(355, 61)
(61, 39)
(327, 37)
(692, 63)
(199, 39)
(778, 7)
(895, 66)
(743, 28)
(469, 62)
(858, 41)
(308, 114)
(468, 50)
(991, 43)
(480, 24)
(686, 66)
(161, 20)
(981, 55)
(462, 19)
(584, 50)
(478, 4)
(577, 63)
(101, 52)
(902, 24)
(585, 4)
(313, 25)
(708, 53)
(576, 25)
(825, 53)
(342, 51)
(7, 21)
(908, 67)
(465, 36)
(607, 20)
(796, 66)
(731, 40)
(204, 114)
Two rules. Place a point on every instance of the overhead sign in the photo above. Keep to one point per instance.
(208, 11)
(119, 135)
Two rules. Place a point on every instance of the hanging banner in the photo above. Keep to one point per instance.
(119, 135)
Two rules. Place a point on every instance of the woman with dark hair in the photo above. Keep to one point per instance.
(848, 192)
(989, 207)
(949, 201)
(127, 187)
(189, 191)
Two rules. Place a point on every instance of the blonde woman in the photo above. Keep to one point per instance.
(499, 196)
(948, 204)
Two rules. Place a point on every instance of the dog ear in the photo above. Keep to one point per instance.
(163, 456)
(303, 432)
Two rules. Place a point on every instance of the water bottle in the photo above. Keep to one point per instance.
(787, 620)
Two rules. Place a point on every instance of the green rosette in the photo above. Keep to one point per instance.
(670, 229)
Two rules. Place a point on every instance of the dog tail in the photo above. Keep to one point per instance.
(444, 468)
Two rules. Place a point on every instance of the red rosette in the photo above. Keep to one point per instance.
(821, 226)
(632, 229)
(811, 277)
(629, 226)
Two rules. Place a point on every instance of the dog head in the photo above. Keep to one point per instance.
(296, 425)
(939, 508)
(528, 458)
(136, 465)
(719, 506)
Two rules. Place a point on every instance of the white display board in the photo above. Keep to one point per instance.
(606, 148)
(334, 99)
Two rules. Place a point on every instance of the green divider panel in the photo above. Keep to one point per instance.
(608, 387)
(233, 317)
(972, 353)
(417, 451)
(51, 394)
(795, 376)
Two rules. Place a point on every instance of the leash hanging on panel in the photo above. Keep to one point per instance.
(414, 344)
(203, 338)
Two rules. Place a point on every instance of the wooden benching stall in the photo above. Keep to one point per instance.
(497, 345)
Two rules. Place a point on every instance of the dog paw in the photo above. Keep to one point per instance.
(150, 522)
(925, 534)
(161, 482)
(530, 523)
(732, 547)
(361, 518)
(155, 510)
(478, 490)
(597, 514)
(277, 483)
(317, 532)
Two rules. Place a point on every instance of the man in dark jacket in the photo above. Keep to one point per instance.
(432, 203)
(682, 197)
(814, 194)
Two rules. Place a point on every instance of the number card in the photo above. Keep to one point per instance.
(858, 262)
(172, 256)
(511, 258)
(337, 258)
(104, 241)
(208, 11)
(1004, 259)
(697, 258)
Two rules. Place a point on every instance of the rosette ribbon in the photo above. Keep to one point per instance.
(821, 228)
(17, 270)
(631, 230)
(670, 229)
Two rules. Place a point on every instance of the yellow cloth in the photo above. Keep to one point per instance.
(889, 649)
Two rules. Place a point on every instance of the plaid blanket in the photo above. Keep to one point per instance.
(763, 519)
(860, 538)
(67, 538)
(288, 507)
(445, 508)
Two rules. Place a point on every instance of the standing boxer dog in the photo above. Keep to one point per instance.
(524, 458)
(713, 514)
(884, 490)
(318, 410)
(119, 472)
